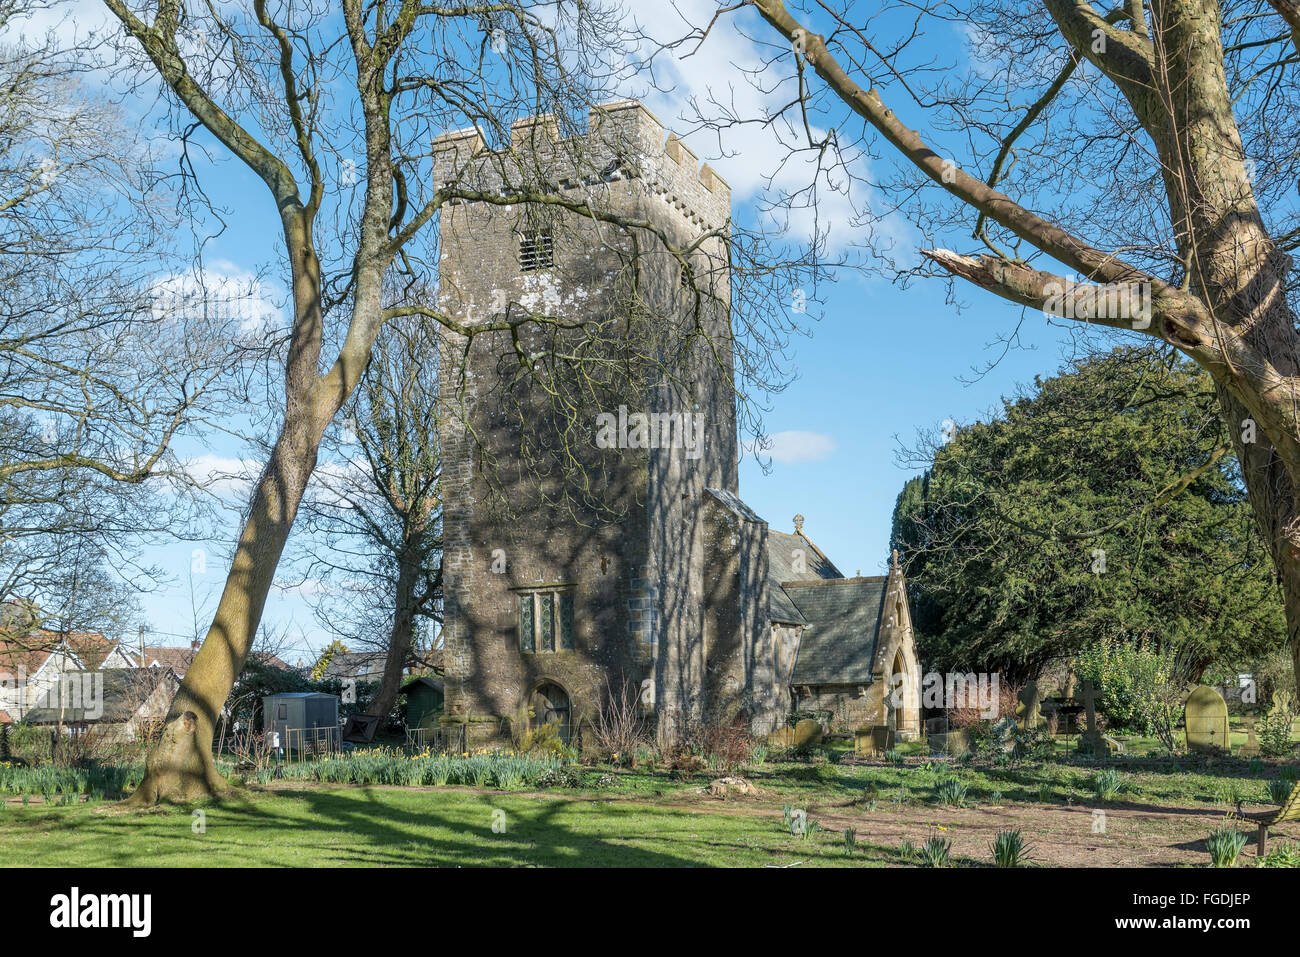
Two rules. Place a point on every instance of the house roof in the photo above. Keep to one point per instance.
(355, 664)
(91, 648)
(272, 661)
(22, 645)
(843, 614)
(124, 691)
(27, 654)
(166, 656)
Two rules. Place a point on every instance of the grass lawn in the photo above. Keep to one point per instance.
(649, 818)
(369, 826)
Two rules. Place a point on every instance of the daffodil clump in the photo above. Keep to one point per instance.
(498, 768)
(47, 780)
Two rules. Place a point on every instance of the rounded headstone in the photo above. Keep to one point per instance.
(807, 732)
(1206, 718)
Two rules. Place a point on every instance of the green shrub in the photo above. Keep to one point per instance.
(1274, 728)
(1133, 681)
(1224, 844)
(1009, 849)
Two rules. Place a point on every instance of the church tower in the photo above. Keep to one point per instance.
(579, 447)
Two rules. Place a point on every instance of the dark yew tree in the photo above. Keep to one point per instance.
(1102, 503)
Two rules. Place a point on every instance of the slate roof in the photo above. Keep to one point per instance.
(124, 691)
(433, 681)
(843, 617)
(732, 501)
(361, 665)
(781, 551)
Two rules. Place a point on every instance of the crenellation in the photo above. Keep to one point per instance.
(625, 142)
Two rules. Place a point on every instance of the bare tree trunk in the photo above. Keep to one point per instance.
(182, 767)
(399, 640)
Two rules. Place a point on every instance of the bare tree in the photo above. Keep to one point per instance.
(99, 374)
(335, 111)
(374, 519)
(1149, 148)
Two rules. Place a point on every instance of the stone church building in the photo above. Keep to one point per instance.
(593, 533)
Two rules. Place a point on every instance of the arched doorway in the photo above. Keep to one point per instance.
(550, 704)
(903, 718)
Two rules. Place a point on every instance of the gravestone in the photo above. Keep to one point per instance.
(1206, 718)
(1029, 709)
(875, 739)
(1251, 748)
(807, 732)
(1093, 741)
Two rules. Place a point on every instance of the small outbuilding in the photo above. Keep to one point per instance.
(423, 699)
(299, 710)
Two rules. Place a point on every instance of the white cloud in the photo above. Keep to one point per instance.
(223, 475)
(793, 447)
(756, 159)
(221, 292)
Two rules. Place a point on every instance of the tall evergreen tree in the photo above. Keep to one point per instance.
(1103, 502)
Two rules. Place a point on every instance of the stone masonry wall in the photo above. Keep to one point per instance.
(627, 542)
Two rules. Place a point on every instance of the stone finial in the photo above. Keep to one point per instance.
(895, 557)
(798, 524)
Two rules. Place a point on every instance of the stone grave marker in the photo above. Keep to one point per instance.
(1251, 748)
(1206, 718)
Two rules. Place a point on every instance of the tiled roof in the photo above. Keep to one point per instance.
(28, 654)
(124, 691)
(843, 617)
(356, 664)
(32, 650)
(177, 659)
(90, 647)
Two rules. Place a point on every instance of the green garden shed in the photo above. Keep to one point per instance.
(423, 699)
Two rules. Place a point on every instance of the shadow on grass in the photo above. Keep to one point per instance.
(370, 827)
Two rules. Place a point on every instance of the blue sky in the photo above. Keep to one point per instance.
(882, 362)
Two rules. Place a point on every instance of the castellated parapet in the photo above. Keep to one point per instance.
(625, 143)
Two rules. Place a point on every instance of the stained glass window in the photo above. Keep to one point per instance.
(566, 621)
(527, 640)
(547, 622)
